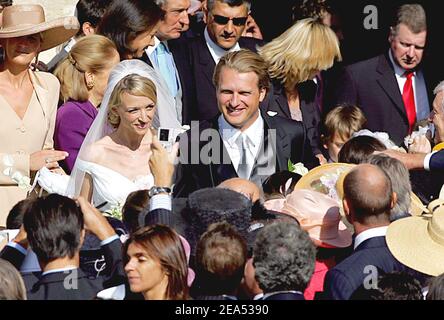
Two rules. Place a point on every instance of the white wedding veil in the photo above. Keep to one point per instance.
(164, 116)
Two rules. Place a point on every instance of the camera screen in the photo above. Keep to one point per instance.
(163, 134)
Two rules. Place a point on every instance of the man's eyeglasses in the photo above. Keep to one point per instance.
(238, 22)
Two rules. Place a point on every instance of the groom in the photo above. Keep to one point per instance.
(243, 141)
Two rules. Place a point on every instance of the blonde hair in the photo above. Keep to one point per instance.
(133, 84)
(12, 286)
(93, 54)
(244, 61)
(344, 120)
(306, 47)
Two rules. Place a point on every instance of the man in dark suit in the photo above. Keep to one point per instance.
(391, 88)
(226, 21)
(368, 199)
(168, 52)
(54, 227)
(242, 142)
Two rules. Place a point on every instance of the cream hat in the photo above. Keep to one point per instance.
(418, 242)
(23, 20)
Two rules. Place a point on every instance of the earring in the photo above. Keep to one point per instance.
(90, 84)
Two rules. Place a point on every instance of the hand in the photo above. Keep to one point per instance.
(252, 30)
(162, 163)
(46, 158)
(41, 66)
(411, 160)
(420, 145)
(321, 159)
(94, 220)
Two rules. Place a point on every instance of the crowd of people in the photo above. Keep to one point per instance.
(169, 152)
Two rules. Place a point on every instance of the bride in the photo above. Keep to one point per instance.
(114, 158)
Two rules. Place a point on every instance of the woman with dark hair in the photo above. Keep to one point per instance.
(131, 24)
(277, 186)
(156, 265)
(358, 149)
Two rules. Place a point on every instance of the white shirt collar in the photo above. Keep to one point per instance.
(216, 51)
(370, 233)
(230, 133)
(149, 50)
(68, 268)
(398, 70)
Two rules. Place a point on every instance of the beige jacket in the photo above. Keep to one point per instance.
(21, 137)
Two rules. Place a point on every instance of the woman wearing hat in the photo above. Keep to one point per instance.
(319, 215)
(28, 99)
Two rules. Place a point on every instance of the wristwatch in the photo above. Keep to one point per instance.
(156, 190)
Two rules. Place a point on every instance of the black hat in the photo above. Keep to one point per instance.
(211, 205)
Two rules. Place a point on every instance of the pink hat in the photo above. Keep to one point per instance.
(318, 214)
(187, 249)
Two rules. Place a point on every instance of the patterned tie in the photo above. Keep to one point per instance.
(166, 67)
(243, 170)
(409, 100)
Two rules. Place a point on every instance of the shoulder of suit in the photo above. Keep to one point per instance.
(245, 41)
(365, 64)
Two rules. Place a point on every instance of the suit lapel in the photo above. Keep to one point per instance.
(280, 104)
(389, 85)
(281, 144)
(220, 169)
(205, 59)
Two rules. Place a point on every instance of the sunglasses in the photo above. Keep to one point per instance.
(238, 22)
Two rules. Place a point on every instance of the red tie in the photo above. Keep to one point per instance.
(409, 100)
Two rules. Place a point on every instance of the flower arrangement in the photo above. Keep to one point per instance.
(23, 182)
(115, 211)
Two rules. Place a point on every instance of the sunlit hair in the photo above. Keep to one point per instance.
(90, 54)
(135, 85)
(411, 15)
(305, 48)
(163, 244)
(244, 61)
(12, 286)
(343, 120)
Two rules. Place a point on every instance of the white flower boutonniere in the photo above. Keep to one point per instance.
(298, 168)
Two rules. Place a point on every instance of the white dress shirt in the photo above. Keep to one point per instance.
(216, 51)
(370, 233)
(229, 136)
(419, 89)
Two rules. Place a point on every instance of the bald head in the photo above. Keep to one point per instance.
(246, 187)
(368, 194)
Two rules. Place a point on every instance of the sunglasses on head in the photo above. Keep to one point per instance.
(240, 21)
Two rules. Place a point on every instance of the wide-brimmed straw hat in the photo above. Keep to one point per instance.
(318, 214)
(418, 242)
(23, 20)
(327, 179)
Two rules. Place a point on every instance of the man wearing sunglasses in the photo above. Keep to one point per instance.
(226, 21)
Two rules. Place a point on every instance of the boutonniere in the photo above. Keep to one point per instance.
(298, 168)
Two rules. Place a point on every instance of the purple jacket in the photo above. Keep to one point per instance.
(73, 121)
